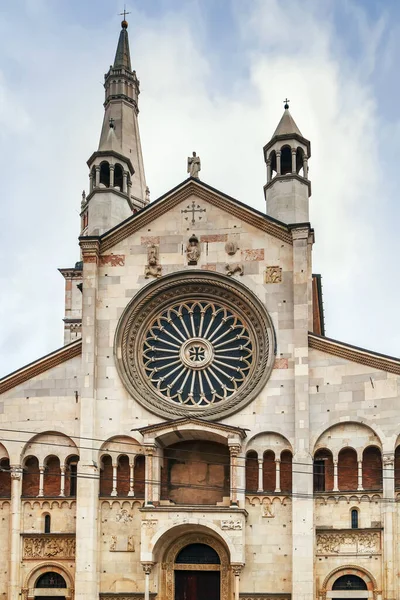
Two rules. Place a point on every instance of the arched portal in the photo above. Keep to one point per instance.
(196, 567)
(349, 582)
(49, 581)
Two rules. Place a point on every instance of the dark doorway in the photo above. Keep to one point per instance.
(49, 597)
(197, 585)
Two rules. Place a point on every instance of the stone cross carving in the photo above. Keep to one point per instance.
(193, 209)
(194, 165)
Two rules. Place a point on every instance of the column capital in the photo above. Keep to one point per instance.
(278, 153)
(111, 167)
(234, 449)
(277, 460)
(388, 459)
(16, 472)
(147, 567)
(294, 150)
(237, 569)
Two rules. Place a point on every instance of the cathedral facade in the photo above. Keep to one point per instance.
(198, 436)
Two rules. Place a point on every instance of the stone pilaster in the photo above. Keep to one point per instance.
(86, 578)
(303, 504)
(389, 528)
(14, 588)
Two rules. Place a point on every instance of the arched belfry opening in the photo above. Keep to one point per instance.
(286, 160)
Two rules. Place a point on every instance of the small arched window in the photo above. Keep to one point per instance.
(349, 583)
(105, 174)
(118, 177)
(51, 580)
(354, 518)
(286, 160)
(47, 523)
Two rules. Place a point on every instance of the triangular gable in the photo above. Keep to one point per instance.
(375, 360)
(204, 192)
(41, 365)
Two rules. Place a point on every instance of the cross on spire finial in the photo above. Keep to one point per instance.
(286, 103)
(123, 14)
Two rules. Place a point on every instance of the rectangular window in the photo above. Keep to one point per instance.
(319, 476)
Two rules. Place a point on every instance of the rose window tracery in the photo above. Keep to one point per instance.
(197, 353)
(194, 344)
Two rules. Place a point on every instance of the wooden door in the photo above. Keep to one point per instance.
(197, 585)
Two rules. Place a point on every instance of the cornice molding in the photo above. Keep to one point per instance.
(191, 187)
(382, 362)
(286, 177)
(117, 155)
(41, 365)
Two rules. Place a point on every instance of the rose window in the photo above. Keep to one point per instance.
(197, 353)
(194, 344)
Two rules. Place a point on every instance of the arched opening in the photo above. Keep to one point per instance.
(323, 470)
(106, 476)
(286, 160)
(273, 165)
(349, 583)
(347, 470)
(47, 523)
(372, 468)
(197, 573)
(269, 471)
(139, 472)
(118, 177)
(105, 174)
(50, 580)
(30, 478)
(251, 471)
(5, 478)
(354, 518)
(286, 471)
(195, 472)
(71, 474)
(300, 161)
(198, 554)
(52, 477)
(397, 467)
(123, 476)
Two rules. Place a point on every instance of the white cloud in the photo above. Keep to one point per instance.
(184, 108)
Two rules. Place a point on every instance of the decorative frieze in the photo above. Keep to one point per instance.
(231, 524)
(349, 542)
(49, 546)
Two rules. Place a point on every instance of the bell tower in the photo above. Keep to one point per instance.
(288, 188)
(117, 180)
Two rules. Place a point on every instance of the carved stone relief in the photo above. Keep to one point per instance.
(231, 248)
(193, 250)
(153, 267)
(354, 542)
(232, 269)
(44, 546)
(273, 275)
(267, 510)
(149, 523)
(122, 543)
(231, 524)
(124, 516)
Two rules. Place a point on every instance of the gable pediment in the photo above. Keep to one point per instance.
(189, 188)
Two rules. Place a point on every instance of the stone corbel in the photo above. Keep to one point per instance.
(90, 250)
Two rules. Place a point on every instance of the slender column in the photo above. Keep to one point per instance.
(97, 183)
(278, 162)
(91, 182)
(305, 166)
(41, 481)
(268, 170)
(234, 452)
(147, 570)
(15, 532)
(148, 486)
(277, 475)
(260, 475)
(335, 476)
(129, 188)
(112, 167)
(124, 182)
(389, 529)
(360, 483)
(115, 471)
(62, 482)
(237, 569)
(294, 152)
(131, 480)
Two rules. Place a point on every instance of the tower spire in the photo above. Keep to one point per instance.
(117, 179)
(288, 188)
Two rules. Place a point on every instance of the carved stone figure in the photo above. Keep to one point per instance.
(193, 250)
(273, 275)
(194, 165)
(130, 544)
(267, 510)
(153, 268)
(234, 268)
(231, 248)
(124, 516)
(113, 543)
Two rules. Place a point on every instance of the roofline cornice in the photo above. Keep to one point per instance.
(205, 192)
(362, 356)
(40, 365)
(286, 177)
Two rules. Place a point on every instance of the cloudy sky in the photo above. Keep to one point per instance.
(213, 76)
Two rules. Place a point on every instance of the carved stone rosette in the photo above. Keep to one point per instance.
(49, 546)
